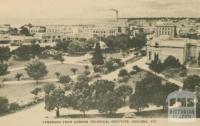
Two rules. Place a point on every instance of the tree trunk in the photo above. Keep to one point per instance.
(83, 114)
(37, 81)
(57, 112)
(124, 100)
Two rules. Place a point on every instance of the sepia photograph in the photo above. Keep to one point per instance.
(99, 62)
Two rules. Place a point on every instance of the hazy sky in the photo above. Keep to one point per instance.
(97, 8)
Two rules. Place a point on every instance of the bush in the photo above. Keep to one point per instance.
(183, 73)
(64, 79)
(136, 68)
(3, 105)
(3, 69)
(132, 72)
(87, 72)
(14, 106)
(123, 73)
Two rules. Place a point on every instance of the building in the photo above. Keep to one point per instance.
(37, 30)
(165, 29)
(165, 43)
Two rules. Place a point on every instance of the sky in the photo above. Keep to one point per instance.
(98, 8)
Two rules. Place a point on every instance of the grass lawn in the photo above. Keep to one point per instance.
(20, 93)
(14, 64)
(64, 69)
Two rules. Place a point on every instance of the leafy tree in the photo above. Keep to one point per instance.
(18, 76)
(138, 102)
(25, 52)
(57, 74)
(156, 66)
(191, 82)
(3, 105)
(36, 69)
(60, 58)
(14, 106)
(64, 79)
(102, 86)
(97, 58)
(91, 42)
(81, 95)
(74, 70)
(145, 90)
(48, 88)
(124, 91)
(35, 92)
(123, 73)
(56, 100)
(24, 31)
(13, 31)
(109, 103)
(3, 69)
(110, 42)
(62, 45)
(77, 46)
(4, 54)
(172, 62)
(122, 41)
(87, 67)
(159, 98)
(83, 78)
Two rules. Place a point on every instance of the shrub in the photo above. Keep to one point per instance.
(132, 72)
(3, 105)
(183, 73)
(14, 106)
(123, 73)
(64, 79)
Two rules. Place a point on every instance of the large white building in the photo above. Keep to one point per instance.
(166, 44)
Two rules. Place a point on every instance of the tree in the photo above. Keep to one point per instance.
(36, 69)
(191, 82)
(101, 87)
(145, 90)
(35, 92)
(4, 54)
(97, 58)
(123, 73)
(76, 46)
(137, 102)
(172, 62)
(64, 79)
(24, 31)
(18, 76)
(109, 103)
(57, 74)
(62, 45)
(124, 91)
(3, 105)
(56, 100)
(60, 58)
(49, 88)
(83, 78)
(3, 69)
(25, 52)
(74, 70)
(87, 67)
(159, 98)
(156, 66)
(81, 95)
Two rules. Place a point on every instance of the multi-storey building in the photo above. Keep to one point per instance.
(37, 30)
(166, 44)
(166, 29)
